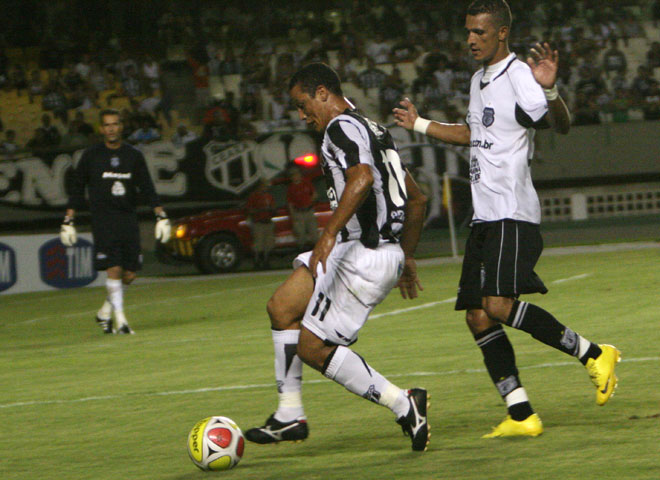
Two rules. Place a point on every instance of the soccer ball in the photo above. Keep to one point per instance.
(216, 443)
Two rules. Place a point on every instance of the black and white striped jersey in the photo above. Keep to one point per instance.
(351, 139)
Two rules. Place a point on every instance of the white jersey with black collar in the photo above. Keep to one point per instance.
(501, 115)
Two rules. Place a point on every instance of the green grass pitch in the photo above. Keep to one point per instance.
(77, 404)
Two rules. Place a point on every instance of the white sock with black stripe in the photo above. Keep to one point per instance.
(288, 375)
(350, 370)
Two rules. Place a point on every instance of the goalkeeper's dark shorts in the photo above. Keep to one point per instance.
(499, 261)
(116, 242)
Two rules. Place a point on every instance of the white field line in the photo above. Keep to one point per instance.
(410, 309)
(257, 386)
(570, 279)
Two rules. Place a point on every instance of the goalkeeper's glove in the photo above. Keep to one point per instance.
(163, 227)
(68, 235)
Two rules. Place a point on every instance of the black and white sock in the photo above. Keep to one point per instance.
(288, 375)
(500, 361)
(349, 369)
(545, 328)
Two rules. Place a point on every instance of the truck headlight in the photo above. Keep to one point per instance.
(181, 231)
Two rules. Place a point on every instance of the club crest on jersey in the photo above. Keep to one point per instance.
(118, 189)
(114, 162)
(488, 117)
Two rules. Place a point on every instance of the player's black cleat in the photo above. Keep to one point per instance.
(275, 431)
(105, 324)
(414, 423)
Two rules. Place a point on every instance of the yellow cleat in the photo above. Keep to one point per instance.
(530, 427)
(601, 371)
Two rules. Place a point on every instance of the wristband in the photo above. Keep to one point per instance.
(421, 125)
(551, 93)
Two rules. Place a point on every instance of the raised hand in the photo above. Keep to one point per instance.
(544, 63)
(405, 117)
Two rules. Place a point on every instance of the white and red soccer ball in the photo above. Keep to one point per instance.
(216, 443)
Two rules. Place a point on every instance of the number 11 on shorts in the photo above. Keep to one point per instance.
(321, 299)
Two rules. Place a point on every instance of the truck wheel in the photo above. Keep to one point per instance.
(217, 254)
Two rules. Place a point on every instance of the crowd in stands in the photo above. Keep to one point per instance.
(385, 50)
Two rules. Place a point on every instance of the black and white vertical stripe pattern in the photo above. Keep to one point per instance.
(515, 260)
(351, 139)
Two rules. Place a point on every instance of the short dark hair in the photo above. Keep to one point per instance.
(109, 111)
(311, 76)
(499, 10)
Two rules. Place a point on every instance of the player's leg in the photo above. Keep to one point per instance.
(104, 314)
(520, 247)
(500, 361)
(332, 322)
(101, 246)
(496, 349)
(285, 310)
(115, 290)
(349, 369)
(128, 254)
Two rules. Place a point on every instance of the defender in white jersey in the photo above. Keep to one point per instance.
(508, 100)
(364, 251)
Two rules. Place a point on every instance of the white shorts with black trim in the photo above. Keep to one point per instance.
(356, 280)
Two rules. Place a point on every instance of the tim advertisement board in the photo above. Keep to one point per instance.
(30, 263)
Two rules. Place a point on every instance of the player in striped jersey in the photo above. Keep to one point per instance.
(364, 251)
(508, 99)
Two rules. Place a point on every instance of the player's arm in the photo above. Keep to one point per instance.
(163, 229)
(68, 233)
(412, 230)
(358, 184)
(544, 63)
(452, 133)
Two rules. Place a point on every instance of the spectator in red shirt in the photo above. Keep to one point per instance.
(260, 209)
(300, 198)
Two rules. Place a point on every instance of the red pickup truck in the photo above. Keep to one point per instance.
(217, 240)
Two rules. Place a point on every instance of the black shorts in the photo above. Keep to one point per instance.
(116, 242)
(499, 261)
